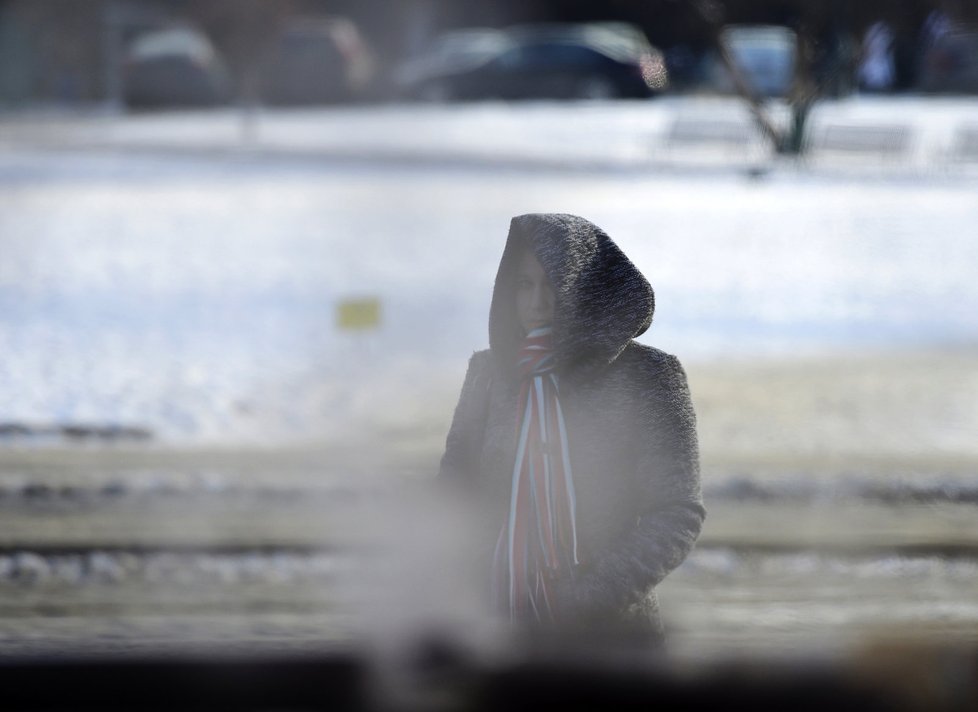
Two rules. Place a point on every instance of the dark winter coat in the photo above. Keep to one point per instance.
(630, 422)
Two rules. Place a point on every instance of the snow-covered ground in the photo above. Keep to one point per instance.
(865, 134)
(195, 293)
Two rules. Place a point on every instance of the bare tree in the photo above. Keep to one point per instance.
(714, 14)
(808, 85)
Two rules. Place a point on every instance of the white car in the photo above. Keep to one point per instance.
(764, 53)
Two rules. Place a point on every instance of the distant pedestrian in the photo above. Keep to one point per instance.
(935, 28)
(877, 64)
(578, 443)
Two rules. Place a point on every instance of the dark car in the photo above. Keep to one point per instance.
(588, 61)
(428, 76)
(174, 67)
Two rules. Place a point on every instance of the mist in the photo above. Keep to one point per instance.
(232, 339)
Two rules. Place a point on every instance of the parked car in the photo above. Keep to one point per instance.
(951, 64)
(173, 67)
(688, 67)
(765, 54)
(319, 60)
(429, 75)
(541, 61)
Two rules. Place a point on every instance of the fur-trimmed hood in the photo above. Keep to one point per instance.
(602, 301)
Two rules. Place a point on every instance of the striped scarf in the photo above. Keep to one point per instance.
(539, 538)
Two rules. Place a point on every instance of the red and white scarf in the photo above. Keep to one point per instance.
(539, 537)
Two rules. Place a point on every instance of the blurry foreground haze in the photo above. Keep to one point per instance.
(224, 328)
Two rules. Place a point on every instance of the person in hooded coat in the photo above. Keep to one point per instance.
(577, 442)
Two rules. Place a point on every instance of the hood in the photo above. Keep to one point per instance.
(602, 301)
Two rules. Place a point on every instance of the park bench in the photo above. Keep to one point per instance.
(698, 131)
(964, 145)
(884, 140)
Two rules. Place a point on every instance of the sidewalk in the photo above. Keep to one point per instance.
(879, 134)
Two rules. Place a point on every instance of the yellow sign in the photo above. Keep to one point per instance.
(358, 314)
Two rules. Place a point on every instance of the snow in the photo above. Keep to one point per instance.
(155, 271)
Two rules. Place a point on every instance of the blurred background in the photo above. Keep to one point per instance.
(246, 248)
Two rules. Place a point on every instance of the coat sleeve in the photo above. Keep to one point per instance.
(460, 462)
(668, 487)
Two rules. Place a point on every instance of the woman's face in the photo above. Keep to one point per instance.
(534, 294)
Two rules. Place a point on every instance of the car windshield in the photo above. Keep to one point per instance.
(463, 47)
(176, 41)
